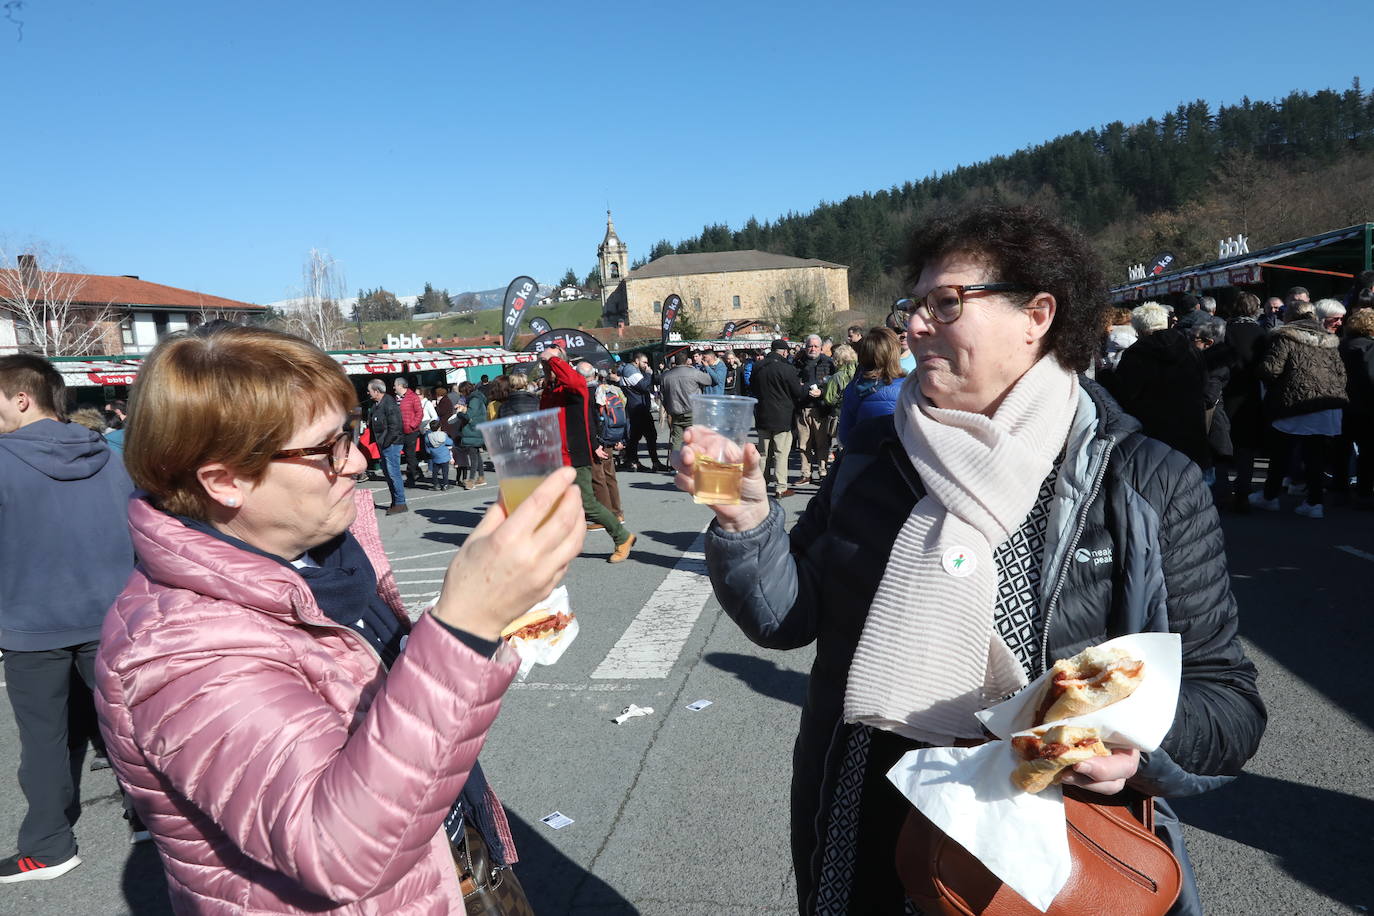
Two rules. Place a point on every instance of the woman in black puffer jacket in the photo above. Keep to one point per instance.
(521, 399)
(1121, 537)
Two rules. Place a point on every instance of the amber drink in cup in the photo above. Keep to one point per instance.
(525, 449)
(721, 424)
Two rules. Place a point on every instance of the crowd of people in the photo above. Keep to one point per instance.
(1226, 379)
(292, 742)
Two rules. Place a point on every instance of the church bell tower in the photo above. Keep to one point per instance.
(614, 261)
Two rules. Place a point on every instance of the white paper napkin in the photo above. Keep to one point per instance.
(1021, 837)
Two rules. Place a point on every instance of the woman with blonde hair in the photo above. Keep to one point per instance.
(291, 741)
(521, 399)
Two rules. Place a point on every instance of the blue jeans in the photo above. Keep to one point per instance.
(391, 467)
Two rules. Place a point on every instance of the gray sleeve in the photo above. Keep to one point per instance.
(1160, 776)
(755, 579)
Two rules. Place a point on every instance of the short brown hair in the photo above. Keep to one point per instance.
(880, 356)
(1025, 246)
(1246, 305)
(232, 396)
(37, 378)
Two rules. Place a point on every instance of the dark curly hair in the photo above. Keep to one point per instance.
(1023, 245)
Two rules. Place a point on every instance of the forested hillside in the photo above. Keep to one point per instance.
(1271, 170)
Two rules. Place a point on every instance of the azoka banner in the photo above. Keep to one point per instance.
(1161, 263)
(518, 295)
(540, 326)
(579, 345)
(670, 309)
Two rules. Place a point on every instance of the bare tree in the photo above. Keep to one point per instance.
(318, 317)
(208, 313)
(44, 302)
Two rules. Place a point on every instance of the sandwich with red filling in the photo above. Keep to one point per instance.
(1093, 679)
(1045, 757)
(537, 624)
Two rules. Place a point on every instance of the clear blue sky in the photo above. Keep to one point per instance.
(211, 145)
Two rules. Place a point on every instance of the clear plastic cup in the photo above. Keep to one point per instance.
(721, 424)
(524, 449)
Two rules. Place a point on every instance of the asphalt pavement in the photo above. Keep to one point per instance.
(684, 811)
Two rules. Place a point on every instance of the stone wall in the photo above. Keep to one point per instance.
(711, 297)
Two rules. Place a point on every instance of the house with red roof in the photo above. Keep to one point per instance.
(112, 315)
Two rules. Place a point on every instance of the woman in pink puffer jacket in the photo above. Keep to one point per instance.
(291, 744)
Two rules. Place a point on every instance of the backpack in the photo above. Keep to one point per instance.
(614, 418)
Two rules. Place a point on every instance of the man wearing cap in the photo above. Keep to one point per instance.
(779, 389)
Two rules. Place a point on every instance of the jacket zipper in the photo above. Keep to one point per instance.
(1079, 525)
(367, 644)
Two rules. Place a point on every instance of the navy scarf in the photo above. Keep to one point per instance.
(344, 586)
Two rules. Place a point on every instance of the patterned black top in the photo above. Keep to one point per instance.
(866, 806)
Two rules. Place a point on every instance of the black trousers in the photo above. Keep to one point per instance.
(1361, 434)
(1315, 451)
(40, 689)
(641, 426)
(411, 443)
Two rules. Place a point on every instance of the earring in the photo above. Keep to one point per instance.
(232, 502)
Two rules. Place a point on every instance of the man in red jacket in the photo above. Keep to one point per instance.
(566, 389)
(412, 412)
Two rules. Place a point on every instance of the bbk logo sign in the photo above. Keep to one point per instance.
(1095, 557)
(1236, 245)
(403, 342)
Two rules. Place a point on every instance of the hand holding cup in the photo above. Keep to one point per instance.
(510, 562)
(752, 507)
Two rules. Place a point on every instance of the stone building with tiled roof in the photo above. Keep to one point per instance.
(719, 286)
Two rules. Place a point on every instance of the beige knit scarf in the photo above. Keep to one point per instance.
(929, 656)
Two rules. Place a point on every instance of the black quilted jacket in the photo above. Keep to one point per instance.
(1121, 495)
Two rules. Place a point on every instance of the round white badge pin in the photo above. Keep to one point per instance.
(959, 562)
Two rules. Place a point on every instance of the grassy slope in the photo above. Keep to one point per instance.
(585, 312)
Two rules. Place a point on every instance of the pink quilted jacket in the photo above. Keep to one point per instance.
(279, 768)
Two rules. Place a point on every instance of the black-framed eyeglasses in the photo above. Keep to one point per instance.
(339, 449)
(944, 304)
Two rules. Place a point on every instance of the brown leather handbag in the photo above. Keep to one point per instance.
(1119, 865)
(488, 890)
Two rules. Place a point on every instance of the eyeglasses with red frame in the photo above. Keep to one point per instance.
(338, 449)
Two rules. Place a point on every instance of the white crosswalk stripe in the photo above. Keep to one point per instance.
(650, 646)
